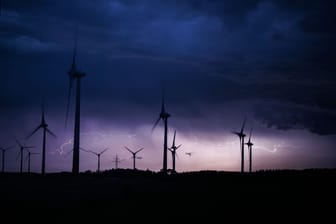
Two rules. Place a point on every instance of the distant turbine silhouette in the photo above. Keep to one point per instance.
(44, 126)
(74, 74)
(134, 155)
(66, 155)
(98, 155)
(164, 116)
(189, 153)
(116, 161)
(249, 146)
(241, 136)
(22, 147)
(3, 157)
(173, 150)
(28, 158)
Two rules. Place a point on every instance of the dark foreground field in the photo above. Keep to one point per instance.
(198, 193)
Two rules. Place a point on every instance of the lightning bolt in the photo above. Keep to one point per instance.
(272, 150)
(62, 149)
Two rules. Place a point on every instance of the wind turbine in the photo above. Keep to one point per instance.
(98, 155)
(241, 136)
(249, 146)
(134, 155)
(28, 158)
(173, 150)
(3, 157)
(189, 153)
(163, 116)
(22, 147)
(75, 75)
(117, 160)
(44, 126)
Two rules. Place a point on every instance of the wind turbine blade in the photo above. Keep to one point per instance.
(250, 134)
(85, 150)
(243, 126)
(174, 138)
(103, 151)
(51, 133)
(8, 148)
(139, 157)
(92, 152)
(128, 150)
(74, 55)
(155, 124)
(71, 79)
(178, 146)
(170, 149)
(163, 102)
(42, 112)
(17, 141)
(35, 130)
(139, 150)
(235, 133)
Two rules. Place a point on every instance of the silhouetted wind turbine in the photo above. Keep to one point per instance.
(98, 155)
(117, 160)
(241, 136)
(66, 155)
(134, 155)
(28, 158)
(164, 116)
(189, 153)
(44, 126)
(173, 150)
(3, 157)
(22, 147)
(249, 146)
(74, 74)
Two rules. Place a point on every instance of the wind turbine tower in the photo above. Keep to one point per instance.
(249, 146)
(134, 155)
(98, 156)
(241, 136)
(3, 156)
(22, 148)
(75, 76)
(173, 150)
(44, 126)
(163, 116)
(28, 157)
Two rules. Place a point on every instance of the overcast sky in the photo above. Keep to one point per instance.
(269, 61)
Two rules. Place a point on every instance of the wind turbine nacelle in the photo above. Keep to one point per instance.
(164, 115)
(76, 74)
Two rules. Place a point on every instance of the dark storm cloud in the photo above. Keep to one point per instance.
(287, 116)
(206, 51)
